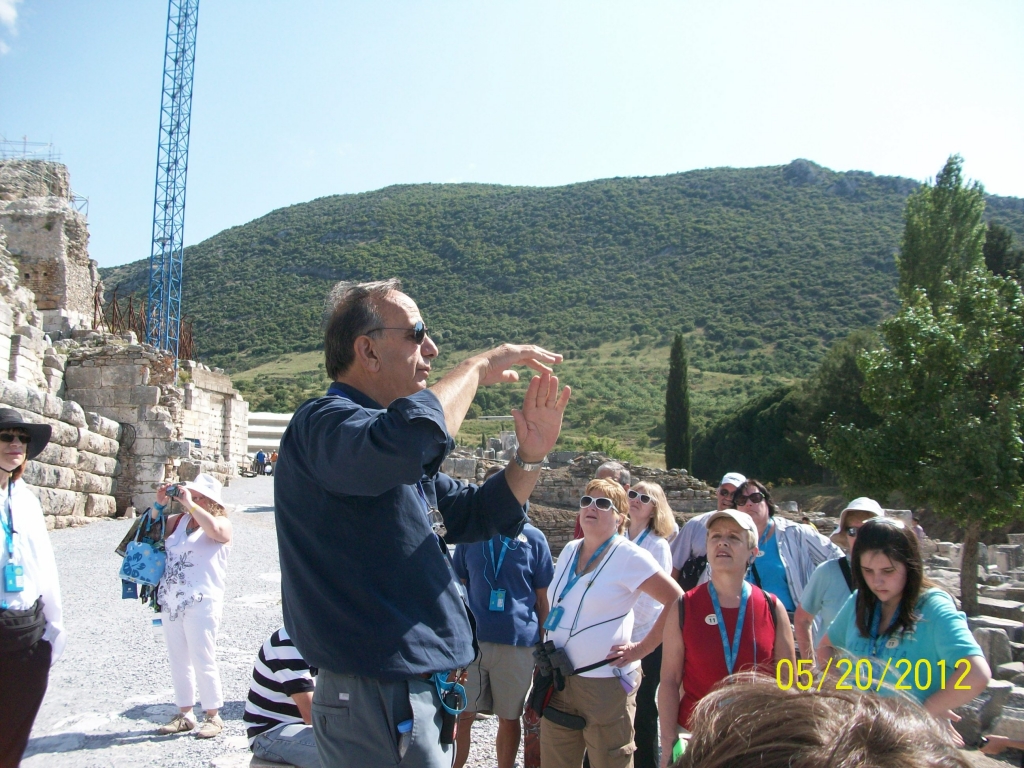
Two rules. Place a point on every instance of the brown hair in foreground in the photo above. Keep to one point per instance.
(749, 722)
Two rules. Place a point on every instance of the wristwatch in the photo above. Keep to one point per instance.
(527, 466)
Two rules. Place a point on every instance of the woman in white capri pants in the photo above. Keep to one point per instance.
(191, 597)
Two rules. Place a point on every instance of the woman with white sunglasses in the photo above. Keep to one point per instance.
(650, 526)
(596, 585)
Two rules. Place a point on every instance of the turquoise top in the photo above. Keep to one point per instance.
(773, 573)
(940, 634)
(826, 592)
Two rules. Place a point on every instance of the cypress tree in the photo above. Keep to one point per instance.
(677, 408)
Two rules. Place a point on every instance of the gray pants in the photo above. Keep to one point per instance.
(355, 720)
(290, 744)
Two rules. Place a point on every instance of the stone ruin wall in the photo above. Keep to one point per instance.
(120, 425)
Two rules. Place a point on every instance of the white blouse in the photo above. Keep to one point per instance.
(196, 567)
(33, 551)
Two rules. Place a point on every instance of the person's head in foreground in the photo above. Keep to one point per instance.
(731, 543)
(749, 722)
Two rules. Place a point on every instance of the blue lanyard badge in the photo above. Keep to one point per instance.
(876, 621)
(764, 536)
(14, 575)
(497, 600)
(731, 651)
(641, 537)
(556, 612)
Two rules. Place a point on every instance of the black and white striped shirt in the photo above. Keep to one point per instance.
(278, 673)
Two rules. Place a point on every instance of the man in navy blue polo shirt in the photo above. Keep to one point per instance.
(363, 515)
(507, 581)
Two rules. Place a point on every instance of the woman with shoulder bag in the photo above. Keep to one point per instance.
(596, 585)
(32, 634)
(191, 597)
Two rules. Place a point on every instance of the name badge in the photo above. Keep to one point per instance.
(129, 590)
(711, 619)
(761, 553)
(497, 600)
(14, 578)
(554, 616)
(892, 642)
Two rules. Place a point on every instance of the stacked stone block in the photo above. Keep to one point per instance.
(131, 384)
(214, 413)
(74, 476)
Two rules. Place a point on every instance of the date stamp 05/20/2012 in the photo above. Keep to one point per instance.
(859, 674)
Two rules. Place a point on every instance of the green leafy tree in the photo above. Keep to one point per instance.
(943, 234)
(677, 408)
(946, 384)
(1001, 257)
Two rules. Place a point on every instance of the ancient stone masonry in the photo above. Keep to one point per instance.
(121, 424)
(48, 239)
(178, 432)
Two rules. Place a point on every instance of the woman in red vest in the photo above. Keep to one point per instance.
(719, 628)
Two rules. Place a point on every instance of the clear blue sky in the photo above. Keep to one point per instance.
(297, 100)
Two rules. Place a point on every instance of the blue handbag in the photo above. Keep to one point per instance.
(144, 562)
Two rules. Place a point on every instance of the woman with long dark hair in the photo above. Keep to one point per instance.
(909, 629)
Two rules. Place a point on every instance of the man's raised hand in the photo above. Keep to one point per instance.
(496, 364)
(540, 420)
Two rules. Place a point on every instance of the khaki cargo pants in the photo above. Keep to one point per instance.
(608, 737)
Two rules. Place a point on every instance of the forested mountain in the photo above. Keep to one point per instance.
(763, 268)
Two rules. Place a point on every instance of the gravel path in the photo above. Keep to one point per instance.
(112, 687)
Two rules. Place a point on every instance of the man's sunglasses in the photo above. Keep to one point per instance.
(755, 498)
(419, 331)
(851, 532)
(637, 495)
(726, 492)
(600, 502)
(10, 437)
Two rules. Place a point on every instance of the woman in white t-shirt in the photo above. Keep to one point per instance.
(596, 585)
(191, 597)
(650, 526)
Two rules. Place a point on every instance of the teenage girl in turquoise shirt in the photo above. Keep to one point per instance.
(911, 632)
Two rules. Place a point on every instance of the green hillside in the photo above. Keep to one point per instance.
(763, 268)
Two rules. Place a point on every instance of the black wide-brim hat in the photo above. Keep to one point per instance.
(39, 434)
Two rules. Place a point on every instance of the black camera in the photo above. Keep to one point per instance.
(173, 492)
(553, 661)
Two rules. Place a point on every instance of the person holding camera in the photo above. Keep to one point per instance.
(597, 582)
(191, 598)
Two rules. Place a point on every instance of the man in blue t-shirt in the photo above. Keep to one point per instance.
(507, 581)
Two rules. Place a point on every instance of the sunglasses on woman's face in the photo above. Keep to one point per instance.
(10, 437)
(754, 498)
(600, 502)
(644, 498)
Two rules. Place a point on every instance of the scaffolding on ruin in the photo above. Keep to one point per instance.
(121, 316)
(38, 159)
(163, 308)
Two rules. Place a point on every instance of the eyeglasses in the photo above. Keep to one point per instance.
(723, 491)
(754, 498)
(419, 331)
(851, 532)
(644, 498)
(10, 437)
(600, 502)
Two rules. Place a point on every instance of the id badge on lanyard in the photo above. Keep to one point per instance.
(14, 578)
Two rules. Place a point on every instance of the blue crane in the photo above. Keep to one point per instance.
(163, 308)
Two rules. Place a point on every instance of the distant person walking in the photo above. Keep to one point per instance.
(261, 462)
(279, 708)
(32, 634)
(507, 581)
(191, 598)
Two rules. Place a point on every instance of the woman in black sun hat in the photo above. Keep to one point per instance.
(32, 633)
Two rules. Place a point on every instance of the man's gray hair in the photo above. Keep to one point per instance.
(351, 311)
(621, 476)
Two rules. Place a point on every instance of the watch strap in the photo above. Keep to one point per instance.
(527, 466)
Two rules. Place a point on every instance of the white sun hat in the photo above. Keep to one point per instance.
(207, 485)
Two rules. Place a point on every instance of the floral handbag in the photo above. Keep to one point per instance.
(144, 561)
